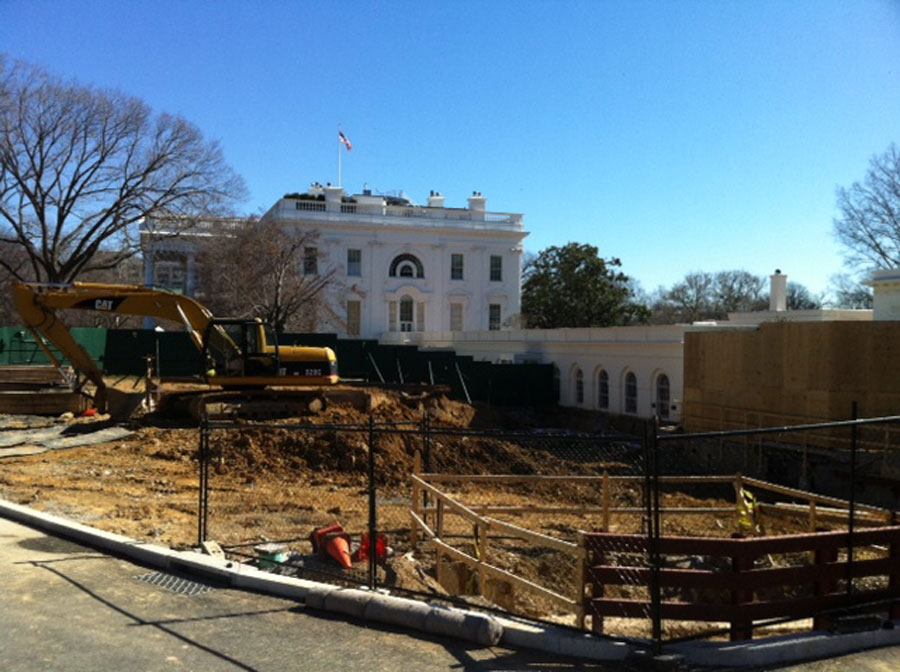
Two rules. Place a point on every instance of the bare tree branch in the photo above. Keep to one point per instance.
(869, 222)
(80, 168)
(269, 282)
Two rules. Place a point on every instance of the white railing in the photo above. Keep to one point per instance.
(466, 218)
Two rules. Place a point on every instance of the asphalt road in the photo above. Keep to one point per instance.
(67, 607)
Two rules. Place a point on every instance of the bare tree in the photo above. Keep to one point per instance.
(686, 301)
(869, 222)
(738, 291)
(711, 296)
(264, 270)
(80, 168)
(849, 293)
(14, 258)
(800, 298)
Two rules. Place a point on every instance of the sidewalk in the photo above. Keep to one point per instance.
(68, 607)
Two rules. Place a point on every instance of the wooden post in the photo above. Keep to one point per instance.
(580, 563)
(416, 502)
(481, 532)
(813, 524)
(606, 499)
(825, 587)
(596, 557)
(438, 533)
(741, 627)
(738, 498)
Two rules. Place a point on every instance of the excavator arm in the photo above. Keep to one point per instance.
(37, 305)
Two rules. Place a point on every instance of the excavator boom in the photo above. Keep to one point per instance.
(238, 352)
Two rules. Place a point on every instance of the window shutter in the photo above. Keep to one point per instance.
(392, 316)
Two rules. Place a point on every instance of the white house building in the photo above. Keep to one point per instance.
(407, 268)
(398, 267)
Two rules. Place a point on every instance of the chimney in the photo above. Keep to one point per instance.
(477, 204)
(435, 200)
(778, 292)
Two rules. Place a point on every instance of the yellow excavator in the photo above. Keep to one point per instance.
(242, 356)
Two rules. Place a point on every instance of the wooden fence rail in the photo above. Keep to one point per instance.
(741, 580)
(601, 559)
(446, 505)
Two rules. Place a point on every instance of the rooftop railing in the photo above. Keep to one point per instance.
(394, 214)
(360, 212)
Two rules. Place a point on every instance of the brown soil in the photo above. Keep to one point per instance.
(279, 484)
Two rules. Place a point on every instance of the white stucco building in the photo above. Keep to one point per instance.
(407, 268)
(633, 371)
(398, 267)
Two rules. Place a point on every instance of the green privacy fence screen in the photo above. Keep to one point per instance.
(117, 351)
(123, 352)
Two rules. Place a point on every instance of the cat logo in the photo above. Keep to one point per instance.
(108, 305)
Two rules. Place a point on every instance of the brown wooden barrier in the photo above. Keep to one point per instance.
(738, 581)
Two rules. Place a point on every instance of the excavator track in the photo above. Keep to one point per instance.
(260, 404)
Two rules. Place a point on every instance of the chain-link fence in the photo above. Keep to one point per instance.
(759, 532)
(488, 518)
(666, 537)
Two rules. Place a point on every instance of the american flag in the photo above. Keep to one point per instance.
(343, 139)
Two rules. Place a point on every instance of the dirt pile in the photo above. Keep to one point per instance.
(342, 444)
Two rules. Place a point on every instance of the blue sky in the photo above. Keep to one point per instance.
(678, 136)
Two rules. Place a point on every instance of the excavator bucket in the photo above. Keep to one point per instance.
(122, 405)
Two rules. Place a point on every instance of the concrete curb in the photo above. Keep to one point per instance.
(786, 648)
(447, 621)
(562, 641)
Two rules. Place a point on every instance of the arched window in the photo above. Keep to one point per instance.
(603, 390)
(630, 393)
(662, 396)
(406, 266)
(406, 314)
(579, 387)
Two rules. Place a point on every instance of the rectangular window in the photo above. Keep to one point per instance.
(310, 261)
(392, 316)
(354, 263)
(456, 317)
(494, 317)
(456, 267)
(170, 275)
(496, 268)
(406, 314)
(354, 313)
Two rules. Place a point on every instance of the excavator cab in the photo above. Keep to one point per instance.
(236, 348)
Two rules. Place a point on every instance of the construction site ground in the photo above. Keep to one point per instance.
(277, 484)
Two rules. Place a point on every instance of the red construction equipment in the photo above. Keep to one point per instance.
(332, 541)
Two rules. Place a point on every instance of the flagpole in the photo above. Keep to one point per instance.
(340, 159)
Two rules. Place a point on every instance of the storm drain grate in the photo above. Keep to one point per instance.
(175, 583)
